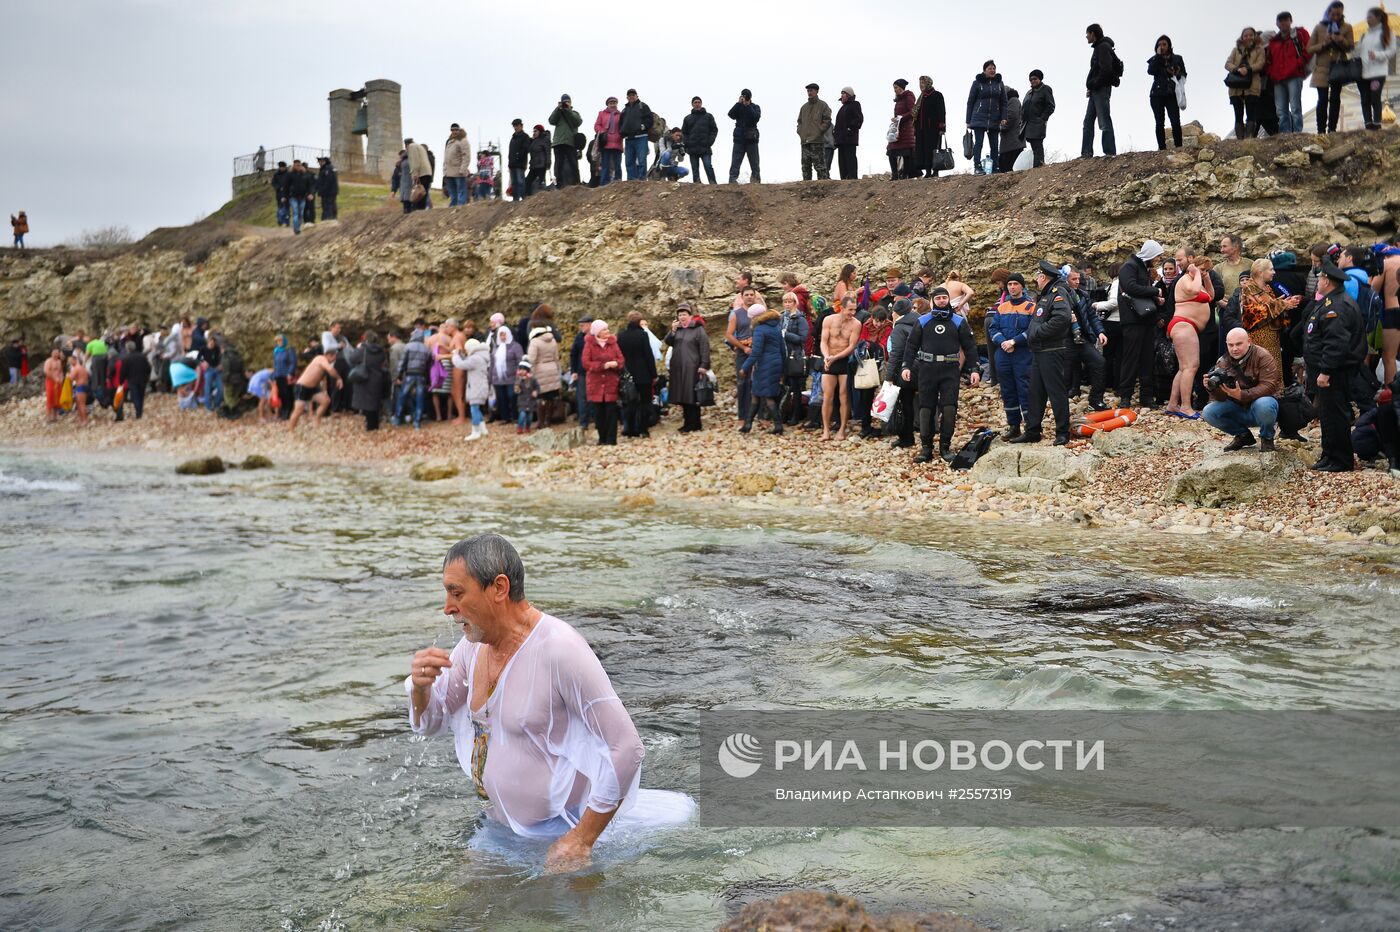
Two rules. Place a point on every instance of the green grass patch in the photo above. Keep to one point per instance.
(257, 207)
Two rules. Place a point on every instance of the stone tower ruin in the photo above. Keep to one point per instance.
(372, 112)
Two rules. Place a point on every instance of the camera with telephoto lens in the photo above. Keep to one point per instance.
(1218, 377)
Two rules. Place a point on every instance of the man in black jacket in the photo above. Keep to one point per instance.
(640, 362)
(580, 378)
(634, 127)
(1103, 78)
(1085, 343)
(745, 114)
(1138, 305)
(299, 185)
(1046, 335)
(849, 120)
(540, 153)
(279, 193)
(518, 159)
(699, 132)
(135, 375)
(327, 188)
(1334, 344)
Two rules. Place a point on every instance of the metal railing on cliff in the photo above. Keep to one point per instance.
(347, 164)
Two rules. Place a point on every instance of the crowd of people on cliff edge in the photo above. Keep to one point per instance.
(1268, 344)
(1004, 127)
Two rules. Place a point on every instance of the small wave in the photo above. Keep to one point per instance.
(17, 485)
(1246, 601)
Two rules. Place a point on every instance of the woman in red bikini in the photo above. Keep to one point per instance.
(1194, 295)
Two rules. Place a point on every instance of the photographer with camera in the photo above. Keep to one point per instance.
(1244, 387)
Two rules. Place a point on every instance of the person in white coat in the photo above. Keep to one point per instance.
(477, 363)
(1376, 49)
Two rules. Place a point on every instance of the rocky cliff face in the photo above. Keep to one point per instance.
(645, 246)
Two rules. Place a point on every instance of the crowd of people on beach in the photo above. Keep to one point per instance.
(1266, 344)
(1004, 128)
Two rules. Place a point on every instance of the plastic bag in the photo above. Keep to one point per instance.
(1181, 92)
(884, 403)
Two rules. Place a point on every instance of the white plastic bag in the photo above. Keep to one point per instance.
(1025, 161)
(892, 133)
(1180, 92)
(884, 403)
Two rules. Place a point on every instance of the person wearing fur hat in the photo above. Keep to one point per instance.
(932, 351)
(1045, 336)
(764, 367)
(603, 362)
(1139, 305)
(901, 150)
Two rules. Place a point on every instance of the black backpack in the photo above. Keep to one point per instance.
(972, 451)
(1117, 67)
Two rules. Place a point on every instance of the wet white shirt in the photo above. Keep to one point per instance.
(558, 739)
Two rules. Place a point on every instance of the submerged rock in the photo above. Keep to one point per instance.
(1234, 478)
(204, 466)
(818, 911)
(255, 461)
(432, 472)
(637, 500)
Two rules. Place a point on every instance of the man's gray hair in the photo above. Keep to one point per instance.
(487, 556)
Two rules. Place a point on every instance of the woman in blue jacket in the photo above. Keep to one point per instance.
(986, 114)
(765, 367)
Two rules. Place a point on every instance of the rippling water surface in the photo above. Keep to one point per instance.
(204, 719)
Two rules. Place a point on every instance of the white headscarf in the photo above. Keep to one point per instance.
(503, 340)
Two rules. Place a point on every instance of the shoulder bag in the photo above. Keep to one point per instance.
(1344, 71)
(943, 157)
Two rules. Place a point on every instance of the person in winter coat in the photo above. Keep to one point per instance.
(456, 166)
(566, 121)
(478, 369)
(1165, 66)
(901, 150)
(420, 168)
(986, 115)
(745, 114)
(1099, 85)
(1139, 306)
(505, 359)
(543, 356)
(690, 361)
(930, 122)
(1332, 41)
(699, 132)
(19, 224)
(518, 159)
(367, 395)
(1246, 61)
(764, 366)
(640, 362)
(279, 194)
(846, 134)
(527, 397)
(603, 362)
(796, 325)
(1036, 110)
(1013, 139)
(1377, 53)
(539, 161)
(813, 121)
(1287, 66)
(327, 188)
(300, 184)
(608, 128)
(635, 126)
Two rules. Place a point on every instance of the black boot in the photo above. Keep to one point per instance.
(1032, 435)
(948, 419)
(748, 426)
(1012, 432)
(925, 436)
(1061, 440)
(946, 453)
(777, 427)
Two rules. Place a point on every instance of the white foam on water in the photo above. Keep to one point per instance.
(18, 485)
(1246, 601)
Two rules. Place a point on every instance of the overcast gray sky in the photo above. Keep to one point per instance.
(131, 111)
